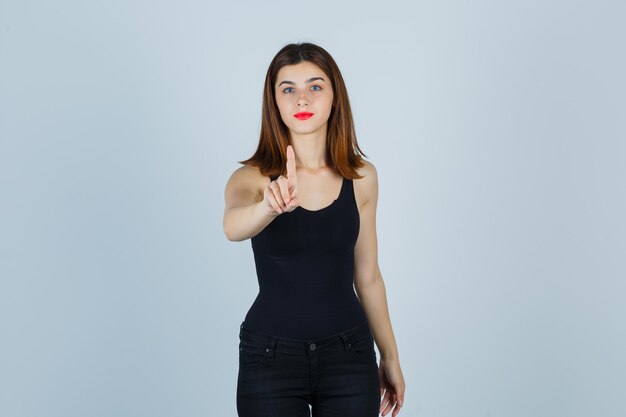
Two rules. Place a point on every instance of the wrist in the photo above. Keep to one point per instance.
(267, 212)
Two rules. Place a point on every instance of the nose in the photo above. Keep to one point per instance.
(303, 98)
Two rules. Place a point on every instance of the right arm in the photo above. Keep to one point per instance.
(244, 215)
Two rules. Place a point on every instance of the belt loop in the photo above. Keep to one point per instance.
(271, 346)
(346, 341)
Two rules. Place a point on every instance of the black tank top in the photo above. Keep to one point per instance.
(305, 267)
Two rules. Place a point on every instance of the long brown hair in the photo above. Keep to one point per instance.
(342, 150)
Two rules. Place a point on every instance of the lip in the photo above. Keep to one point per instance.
(303, 115)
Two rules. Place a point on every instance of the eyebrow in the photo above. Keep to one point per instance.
(306, 82)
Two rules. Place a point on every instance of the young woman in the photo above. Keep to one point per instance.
(307, 200)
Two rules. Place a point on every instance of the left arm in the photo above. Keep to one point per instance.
(368, 281)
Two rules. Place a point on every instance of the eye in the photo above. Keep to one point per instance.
(320, 88)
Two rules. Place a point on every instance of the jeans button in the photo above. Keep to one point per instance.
(312, 346)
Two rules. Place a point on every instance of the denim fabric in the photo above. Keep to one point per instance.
(280, 377)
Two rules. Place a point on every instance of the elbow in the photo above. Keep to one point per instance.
(228, 231)
(227, 224)
(370, 283)
(368, 280)
(362, 282)
(230, 235)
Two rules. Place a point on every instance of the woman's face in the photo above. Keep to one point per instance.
(303, 87)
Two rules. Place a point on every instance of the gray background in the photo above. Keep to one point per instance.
(497, 129)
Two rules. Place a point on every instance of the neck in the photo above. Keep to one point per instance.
(310, 150)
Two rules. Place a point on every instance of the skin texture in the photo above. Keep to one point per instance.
(253, 201)
(281, 195)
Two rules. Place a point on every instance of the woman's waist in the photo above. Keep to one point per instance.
(342, 339)
(299, 323)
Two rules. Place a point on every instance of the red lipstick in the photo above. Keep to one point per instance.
(303, 115)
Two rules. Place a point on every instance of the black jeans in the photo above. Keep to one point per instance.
(280, 377)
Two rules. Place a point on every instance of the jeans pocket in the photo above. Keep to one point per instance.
(364, 348)
(251, 356)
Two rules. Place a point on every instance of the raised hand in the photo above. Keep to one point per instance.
(281, 194)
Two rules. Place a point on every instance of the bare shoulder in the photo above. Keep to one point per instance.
(366, 188)
(244, 186)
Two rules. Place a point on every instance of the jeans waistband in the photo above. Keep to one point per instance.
(341, 340)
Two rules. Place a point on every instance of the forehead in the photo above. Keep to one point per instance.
(300, 72)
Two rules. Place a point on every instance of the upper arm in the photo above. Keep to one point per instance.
(366, 269)
(241, 188)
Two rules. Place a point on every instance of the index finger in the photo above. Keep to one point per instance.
(291, 167)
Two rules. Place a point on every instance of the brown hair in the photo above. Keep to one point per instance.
(342, 150)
